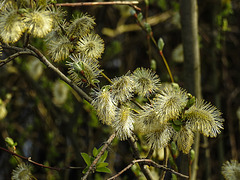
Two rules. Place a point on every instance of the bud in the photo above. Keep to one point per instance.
(153, 65)
(192, 156)
(148, 27)
(140, 17)
(160, 44)
(10, 142)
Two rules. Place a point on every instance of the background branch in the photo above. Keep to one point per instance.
(44, 60)
(109, 141)
(136, 155)
(13, 56)
(150, 163)
(99, 3)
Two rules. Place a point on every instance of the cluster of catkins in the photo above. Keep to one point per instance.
(168, 112)
(43, 19)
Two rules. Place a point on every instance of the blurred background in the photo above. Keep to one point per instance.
(53, 125)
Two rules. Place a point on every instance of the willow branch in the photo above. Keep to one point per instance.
(13, 56)
(98, 3)
(44, 60)
(149, 162)
(31, 161)
(109, 141)
(136, 155)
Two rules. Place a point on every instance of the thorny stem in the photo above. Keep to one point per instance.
(109, 141)
(150, 163)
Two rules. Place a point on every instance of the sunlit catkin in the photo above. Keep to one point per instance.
(80, 26)
(11, 24)
(104, 105)
(84, 70)
(184, 138)
(123, 124)
(231, 170)
(59, 47)
(204, 118)
(170, 102)
(22, 172)
(122, 88)
(146, 81)
(39, 22)
(91, 45)
(160, 138)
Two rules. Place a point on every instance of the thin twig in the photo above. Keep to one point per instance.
(98, 3)
(44, 60)
(150, 163)
(28, 159)
(150, 153)
(31, 161)
(13, 56)
(129, 3)
(136, 155)
(109, 141)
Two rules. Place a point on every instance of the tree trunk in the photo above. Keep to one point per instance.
(192, 76)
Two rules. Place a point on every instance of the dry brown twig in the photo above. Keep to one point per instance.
(130, 3)
(150, 163)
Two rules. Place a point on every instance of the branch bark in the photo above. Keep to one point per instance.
(44, 60)
(109, 141)
(192, 75)
(149, 162)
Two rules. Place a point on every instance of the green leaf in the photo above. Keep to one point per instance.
(100, 149)
(148, 27)
(103, 157)
(86, 158)
(176, 127)
(103, 169)
(177, 122)
(85, 170)
(102, 164)
(95, 152)
(140, 17)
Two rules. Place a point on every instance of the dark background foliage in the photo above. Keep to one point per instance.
(55, 134)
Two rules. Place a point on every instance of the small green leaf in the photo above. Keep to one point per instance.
(102, 164)
(153, 65)
(86, 158)
(192, 155)
(174, 149)
(191, 101)
(177, 122)
(10, 142)
(160, 44)
(140, 17)
(174, 177)
(132, 11)
(100, 149)
(148, 27)
(176, 127)
(103, 169)
(95, 152)
(103, 157)
(85, 170)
